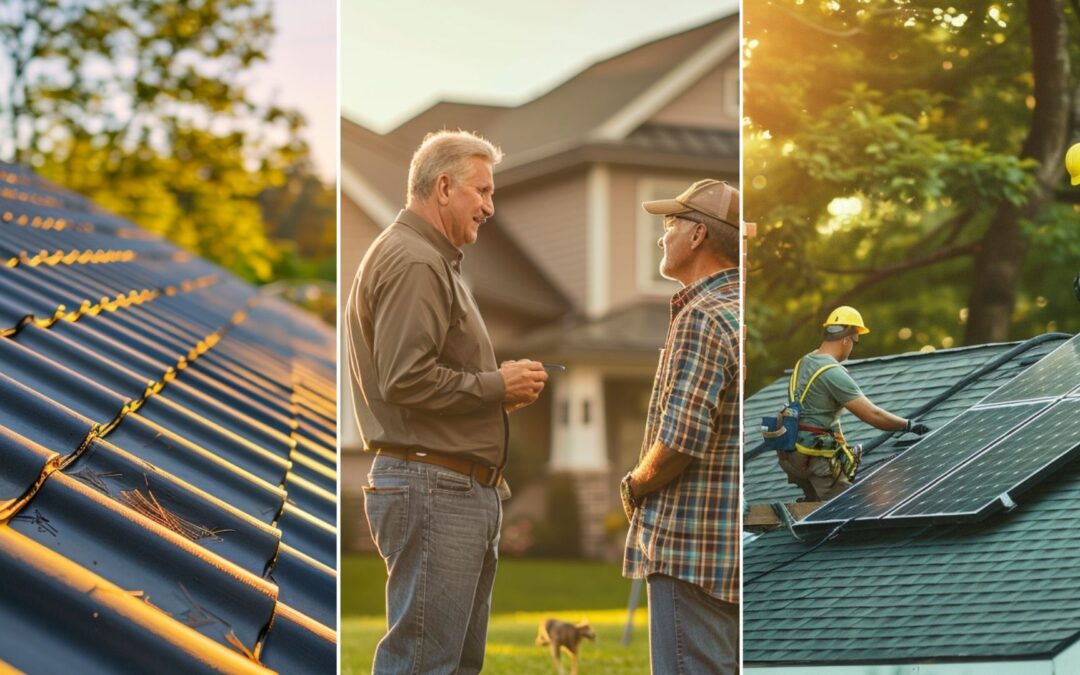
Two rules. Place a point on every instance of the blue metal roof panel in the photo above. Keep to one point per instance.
(167, 432)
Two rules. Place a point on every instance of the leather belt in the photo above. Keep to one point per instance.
(483, 474)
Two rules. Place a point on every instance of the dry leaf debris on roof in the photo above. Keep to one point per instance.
(167, 495)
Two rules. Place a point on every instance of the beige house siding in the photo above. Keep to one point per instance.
(709, 103)
(357, 233)
(547, 220)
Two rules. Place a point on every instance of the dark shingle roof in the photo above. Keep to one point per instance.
(558, 116)
(167, 490)
(635, 332)
(1004, 588)
(685, 140)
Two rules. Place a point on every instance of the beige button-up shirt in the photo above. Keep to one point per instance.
(421, 365)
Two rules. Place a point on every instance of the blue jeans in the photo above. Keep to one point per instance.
(438, 532)
(691, 632)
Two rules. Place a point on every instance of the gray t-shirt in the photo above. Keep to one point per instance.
(827, 396)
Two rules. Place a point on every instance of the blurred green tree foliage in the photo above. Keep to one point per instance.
(905, 157)
(141, 105)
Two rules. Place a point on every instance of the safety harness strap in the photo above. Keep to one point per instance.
(795, 378)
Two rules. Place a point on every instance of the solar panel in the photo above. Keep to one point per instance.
(1052, 377)
(923, 463)
(1006, 470)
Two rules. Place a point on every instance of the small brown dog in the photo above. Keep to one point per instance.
(559, 635)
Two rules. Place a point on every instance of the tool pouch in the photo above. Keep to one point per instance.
(781, 432)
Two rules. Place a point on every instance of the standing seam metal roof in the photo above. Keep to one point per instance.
(167, 497)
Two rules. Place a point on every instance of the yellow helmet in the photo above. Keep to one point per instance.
(846, 316)
(1072, 163)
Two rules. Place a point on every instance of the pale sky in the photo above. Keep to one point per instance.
(301, 73)
(400, 56)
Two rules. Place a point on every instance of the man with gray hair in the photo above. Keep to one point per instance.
(432, 404)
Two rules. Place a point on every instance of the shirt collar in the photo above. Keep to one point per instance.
(712, 282)
(437, 239)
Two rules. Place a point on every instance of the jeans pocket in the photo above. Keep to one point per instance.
(453, 483)
(387, 510)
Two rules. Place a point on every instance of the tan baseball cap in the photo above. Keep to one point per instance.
(711, 197)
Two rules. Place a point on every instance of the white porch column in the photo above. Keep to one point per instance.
(598, 240)
(579, 434)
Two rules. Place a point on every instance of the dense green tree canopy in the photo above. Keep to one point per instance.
(141, 106)
(906, 158)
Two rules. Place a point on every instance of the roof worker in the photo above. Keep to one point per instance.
(821, 461)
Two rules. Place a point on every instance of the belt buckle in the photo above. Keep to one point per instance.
(496, 475)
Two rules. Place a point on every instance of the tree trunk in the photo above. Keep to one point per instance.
(1001, 253)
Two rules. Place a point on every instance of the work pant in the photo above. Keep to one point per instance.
(438, 532)
(691, 632)
(813, 474)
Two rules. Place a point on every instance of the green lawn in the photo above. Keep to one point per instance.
(526, 592)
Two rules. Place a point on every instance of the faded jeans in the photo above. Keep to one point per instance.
(691, 632)
(438, 532)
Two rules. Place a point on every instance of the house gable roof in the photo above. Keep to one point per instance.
(621, 91)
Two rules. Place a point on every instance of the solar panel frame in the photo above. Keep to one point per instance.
(937, 464)
(1054, 376)
(1004, 493)
(1057, 374)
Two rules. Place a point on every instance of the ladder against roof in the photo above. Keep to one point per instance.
(763, 517)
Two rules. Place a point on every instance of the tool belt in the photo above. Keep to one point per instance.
(781, 432)
(481, 473)
(843, 459)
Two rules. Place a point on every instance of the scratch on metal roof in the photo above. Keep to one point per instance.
(167, 493)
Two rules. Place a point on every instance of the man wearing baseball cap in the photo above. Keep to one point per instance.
(682, 498)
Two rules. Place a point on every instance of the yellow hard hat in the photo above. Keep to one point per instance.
(1072, 163)
(846, 316)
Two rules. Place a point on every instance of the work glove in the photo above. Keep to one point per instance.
(917, 428)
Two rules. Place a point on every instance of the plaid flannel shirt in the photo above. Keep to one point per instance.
(690, 529)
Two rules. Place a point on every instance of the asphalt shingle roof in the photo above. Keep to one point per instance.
(167, 494)
(1003, 588)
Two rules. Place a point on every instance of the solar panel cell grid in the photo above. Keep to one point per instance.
(1012, 465)
(927, 461)
(1054, 376)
